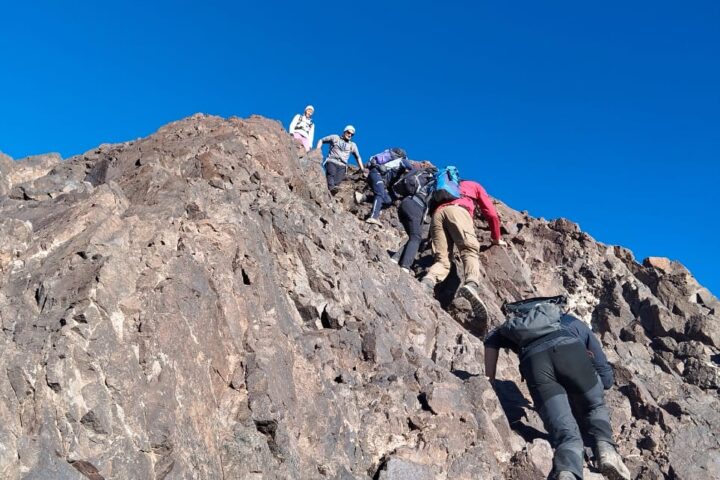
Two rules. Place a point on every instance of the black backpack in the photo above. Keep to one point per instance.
(528, 320)
(415, 182)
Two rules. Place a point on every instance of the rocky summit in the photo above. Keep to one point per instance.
(195, 305)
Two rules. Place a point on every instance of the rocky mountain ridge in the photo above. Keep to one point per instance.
(194, 304)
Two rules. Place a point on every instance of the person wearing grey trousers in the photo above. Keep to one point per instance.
(564, 367)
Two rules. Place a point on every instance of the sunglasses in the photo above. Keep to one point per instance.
(350, 133)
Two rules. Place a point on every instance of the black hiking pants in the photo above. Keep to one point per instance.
(554, 374)
(411, 216)
(334, 174)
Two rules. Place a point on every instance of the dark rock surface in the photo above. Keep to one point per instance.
(196, 305)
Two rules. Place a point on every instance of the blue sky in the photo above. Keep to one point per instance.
(605, 113)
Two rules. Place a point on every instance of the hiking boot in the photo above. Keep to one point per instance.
(469, 291)
(374, 221)
(360, 197)
(334, 190)
(610, 463)
(428, 285)
(565, 475)
(406, 270)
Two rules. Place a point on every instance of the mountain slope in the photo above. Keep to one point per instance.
(195, 305)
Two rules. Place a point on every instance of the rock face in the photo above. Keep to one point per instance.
(196, 305)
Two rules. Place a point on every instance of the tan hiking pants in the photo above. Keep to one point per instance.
(452, 225)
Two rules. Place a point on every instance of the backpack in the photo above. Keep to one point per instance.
(529, 320)
(447, 186)
(388, 159)
(304, 124)
(416, 182)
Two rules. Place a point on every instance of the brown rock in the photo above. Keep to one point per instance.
(195, 305)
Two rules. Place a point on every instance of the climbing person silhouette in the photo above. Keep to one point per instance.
(452, 224)
(384, 169)
(302, 127)
(414, 187)
(336, 163)
(562, 363)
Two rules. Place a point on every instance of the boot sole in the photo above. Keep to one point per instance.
(478, 306)
(612, 473)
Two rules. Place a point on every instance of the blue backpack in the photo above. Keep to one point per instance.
(447, 186)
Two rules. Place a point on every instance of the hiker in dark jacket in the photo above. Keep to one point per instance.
(381, 177)
(561, 361)
(411, 213)
(580, 330)
(336, 163)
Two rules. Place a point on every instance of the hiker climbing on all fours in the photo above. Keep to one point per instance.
(415, 188)
(336, 163)
(453, 205)
(384, 169)
(563, 364)
(302, 128)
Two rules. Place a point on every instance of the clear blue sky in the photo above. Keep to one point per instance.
(607, 113)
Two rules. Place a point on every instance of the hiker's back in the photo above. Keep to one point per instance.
(531, 321)
(389, 159)
(418, 182)
(447, 186)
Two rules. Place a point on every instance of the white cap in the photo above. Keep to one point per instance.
(309, 107)
(349, 128)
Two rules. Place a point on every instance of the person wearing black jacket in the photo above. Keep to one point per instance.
(565, 364)
(411, 212)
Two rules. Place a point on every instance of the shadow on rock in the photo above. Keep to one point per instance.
(514, 404)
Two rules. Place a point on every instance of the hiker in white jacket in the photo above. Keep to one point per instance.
(302, 128)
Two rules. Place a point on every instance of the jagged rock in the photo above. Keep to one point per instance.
(660, 263)
(196, 305)
(396, 469)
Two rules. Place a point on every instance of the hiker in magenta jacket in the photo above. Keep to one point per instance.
(452, 224)
(472, 193)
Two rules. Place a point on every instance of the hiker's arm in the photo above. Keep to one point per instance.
(602, 367)
(328, 139)
(494, 341)
(488, 210)
(582, 331)
(293, 124)
(491, 358)
(356, 153)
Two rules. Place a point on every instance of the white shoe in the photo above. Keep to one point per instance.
(469, 291)
(373, 221)
(610, 463)
(360, 197)
(428, 285)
